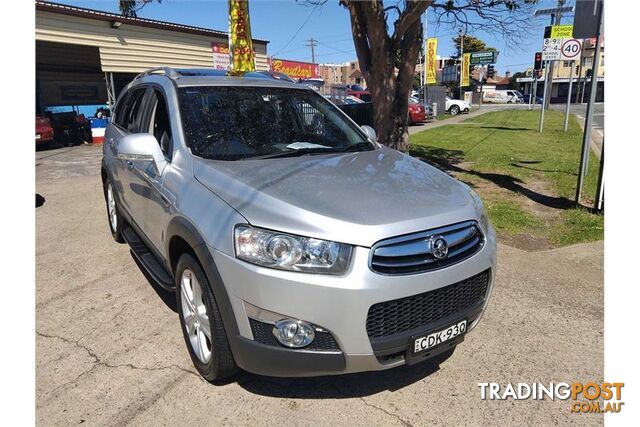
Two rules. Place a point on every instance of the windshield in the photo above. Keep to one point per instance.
(232, 123)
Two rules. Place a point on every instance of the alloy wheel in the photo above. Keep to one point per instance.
(195, 316)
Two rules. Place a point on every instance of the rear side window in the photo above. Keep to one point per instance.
(128, 114)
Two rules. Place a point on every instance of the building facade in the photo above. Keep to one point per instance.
(348, 73)
(85, 56)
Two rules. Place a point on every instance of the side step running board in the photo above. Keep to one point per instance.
(146, 259)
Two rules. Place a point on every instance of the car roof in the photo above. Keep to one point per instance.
(184, 77)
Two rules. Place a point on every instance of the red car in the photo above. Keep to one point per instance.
(417, 113)
(44, 130)
(364, 95)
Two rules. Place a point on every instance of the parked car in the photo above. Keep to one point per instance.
(430, 114)
(501, 97)
(364, 95)
(44, 130)
(350, 99)
(456, 106)
(70, 128)
(526, 98)
(417, 113)
(296, 245)
(428, 108)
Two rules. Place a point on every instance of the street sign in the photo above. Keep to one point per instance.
(481, 58)
(571, 49)
(558, 49)
(553, 11)
(561, 31)
(449, 74)
(585, 21)
(551, 49)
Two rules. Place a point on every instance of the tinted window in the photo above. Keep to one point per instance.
(160, 125)
(128, 113)
(231, 123)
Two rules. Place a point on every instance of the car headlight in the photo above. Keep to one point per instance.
(288, 252)
(481, 212)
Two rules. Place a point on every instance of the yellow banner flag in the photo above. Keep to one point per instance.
(464, 70)
(432, 70)
(240, 43)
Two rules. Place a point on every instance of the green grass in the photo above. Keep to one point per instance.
(518, 170)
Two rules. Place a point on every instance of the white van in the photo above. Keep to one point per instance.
(501, 96)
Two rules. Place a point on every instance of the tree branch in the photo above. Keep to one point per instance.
(411, 14)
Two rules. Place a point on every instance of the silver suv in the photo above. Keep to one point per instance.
(295, 243)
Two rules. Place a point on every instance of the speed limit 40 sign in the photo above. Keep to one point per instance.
(571, 49)
(556, 49)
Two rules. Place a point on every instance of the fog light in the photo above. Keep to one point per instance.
(293, 333)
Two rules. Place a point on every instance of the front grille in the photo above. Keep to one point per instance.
(263, 333)
(393, 317)
(413, 253)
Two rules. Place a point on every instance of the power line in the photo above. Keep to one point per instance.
(298, 30)
(332, 48)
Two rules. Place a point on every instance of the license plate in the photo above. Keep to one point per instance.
(37, 136)
(436, 338)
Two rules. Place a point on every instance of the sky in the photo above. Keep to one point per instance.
(288, 25)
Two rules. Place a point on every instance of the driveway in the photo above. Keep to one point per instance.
(110, 350)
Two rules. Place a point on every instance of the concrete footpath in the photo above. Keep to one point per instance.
(109, 350)
(462, 117)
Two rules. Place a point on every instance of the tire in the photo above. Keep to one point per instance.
(116, 222)
(454, 110)
(210, 354)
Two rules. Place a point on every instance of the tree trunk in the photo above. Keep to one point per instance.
(378, 55)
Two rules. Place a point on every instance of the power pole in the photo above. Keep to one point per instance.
(313, 43)
(586, 137)
(557, 16)
(461, 55)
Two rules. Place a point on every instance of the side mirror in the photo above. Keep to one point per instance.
(371, 134)
(142, 147)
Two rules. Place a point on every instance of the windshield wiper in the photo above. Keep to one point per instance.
(294, 153)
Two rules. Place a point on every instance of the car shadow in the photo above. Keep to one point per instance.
(449, 161)
(339, 386)
(167, 297)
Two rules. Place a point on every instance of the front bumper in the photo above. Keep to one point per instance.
(339, 304)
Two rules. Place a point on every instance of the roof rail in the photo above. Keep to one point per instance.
(168, 71)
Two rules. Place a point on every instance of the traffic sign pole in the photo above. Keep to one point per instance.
(544, 95)
(535, 89)
(566, 113)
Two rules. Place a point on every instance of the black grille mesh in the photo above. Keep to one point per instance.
(393, 317)
(262, 333)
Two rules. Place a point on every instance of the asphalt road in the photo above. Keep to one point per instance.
(580, 110)
(109, 349)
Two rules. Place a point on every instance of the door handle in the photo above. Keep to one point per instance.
(129, 164)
